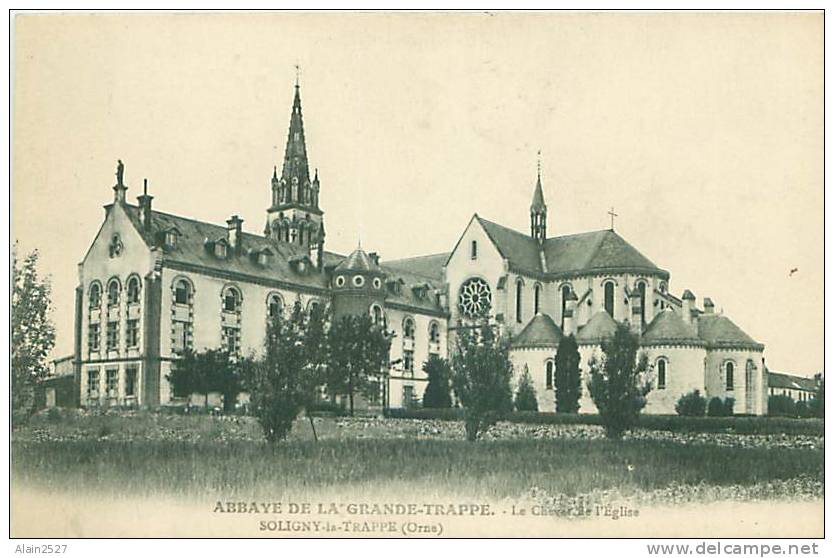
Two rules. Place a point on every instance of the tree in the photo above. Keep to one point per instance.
(525, 396)
(359, 351)
(33, 334)
(817, 404)
(288, 377)
(481, 375)
(568, 378)
(618, 383)
(692, 404)
(438, 393)
(781, 406)
(205, 372)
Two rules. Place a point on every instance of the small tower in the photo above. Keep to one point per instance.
(538, 209)
(359, 286)
(294, 216)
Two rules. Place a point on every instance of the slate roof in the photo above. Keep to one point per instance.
(358, 260)
(668, 328)
(538, 197)
(789, 381)
(540, 332)
(578, 254)
(601, 326)
(720, 332)
(430, 266)
(190, 251)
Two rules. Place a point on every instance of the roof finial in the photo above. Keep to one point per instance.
(539, 164)
(120, 173)
(145, 188)
(275, 172)
(297, 74)
(612, 214)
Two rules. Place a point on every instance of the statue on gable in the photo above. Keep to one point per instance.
(120, 172)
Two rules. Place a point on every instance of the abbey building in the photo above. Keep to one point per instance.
(153, 284)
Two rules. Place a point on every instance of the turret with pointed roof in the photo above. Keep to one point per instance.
(294, 215)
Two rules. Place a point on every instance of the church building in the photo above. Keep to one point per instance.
(154, 284)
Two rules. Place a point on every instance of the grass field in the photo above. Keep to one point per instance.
(224, 456)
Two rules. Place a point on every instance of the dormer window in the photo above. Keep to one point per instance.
(220, 249)
(171, 239)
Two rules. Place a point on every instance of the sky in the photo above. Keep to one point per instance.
(703, 131)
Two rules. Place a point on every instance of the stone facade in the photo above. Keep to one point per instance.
(153, 284)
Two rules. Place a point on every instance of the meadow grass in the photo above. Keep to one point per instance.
(495, 469)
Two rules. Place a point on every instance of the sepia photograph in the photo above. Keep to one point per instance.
(539, 274)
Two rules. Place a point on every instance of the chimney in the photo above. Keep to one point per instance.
(145, 208)
(235, 226)
(569, 320)
(709, 306)
(374, 258)
(636, 320)
(687, 306)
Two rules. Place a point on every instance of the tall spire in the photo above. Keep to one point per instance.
(295, 155)
(538, 209)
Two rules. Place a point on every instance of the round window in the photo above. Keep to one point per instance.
(475, 297)
(377, 283)
(340, 281)
(358, 280)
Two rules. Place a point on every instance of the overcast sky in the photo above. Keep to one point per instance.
(703, 131)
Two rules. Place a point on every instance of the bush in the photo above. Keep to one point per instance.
(693, 404)
(781, 406)
(438, 394)
(327, 408)
(715, 407)
(802, 409)
(525, 397)
(729, 404)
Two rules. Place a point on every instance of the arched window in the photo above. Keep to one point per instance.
(473, 253)
(376, 314)
(274, 305)
(182, 292)
(641, 288)
(608, 290)
(519, 289)
(729, 370)
(661, 373)
(113, 291)
(434, 333)
(408, 328)
(133, 286)
(231, 299)
(95, 295)
(313, 306)
(548, 375)
(565, 294)
(537, 292)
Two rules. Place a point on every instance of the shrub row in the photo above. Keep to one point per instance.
(671, 423)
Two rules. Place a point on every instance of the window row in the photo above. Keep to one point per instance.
(114, 292)
(110, 389)
(409, 330)
(112, 333)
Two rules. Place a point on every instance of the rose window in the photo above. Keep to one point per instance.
(475, 297)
